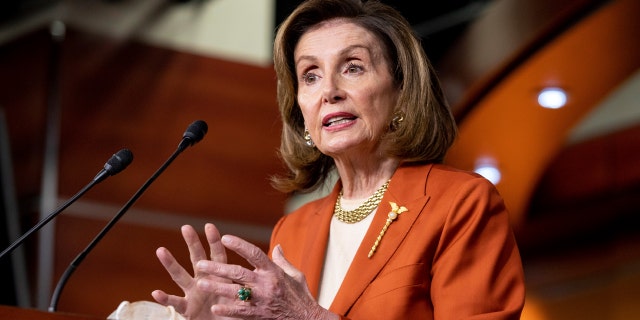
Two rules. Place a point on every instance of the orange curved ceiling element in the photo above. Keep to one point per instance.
(589, 60)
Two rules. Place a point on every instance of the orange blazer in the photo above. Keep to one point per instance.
(452, 255)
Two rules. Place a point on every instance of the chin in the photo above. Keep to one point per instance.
(338, 148)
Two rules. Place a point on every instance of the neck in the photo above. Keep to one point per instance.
(361, 182)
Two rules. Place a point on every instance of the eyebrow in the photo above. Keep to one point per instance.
(341, 52)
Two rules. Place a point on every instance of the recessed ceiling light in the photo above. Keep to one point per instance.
(488, 170)
(552, 98)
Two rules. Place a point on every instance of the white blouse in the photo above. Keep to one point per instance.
(344, 240)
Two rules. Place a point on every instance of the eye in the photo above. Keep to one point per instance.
(309, 77)
(354, 68)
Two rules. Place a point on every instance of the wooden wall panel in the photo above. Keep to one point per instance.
(116, 94)
(136, 96)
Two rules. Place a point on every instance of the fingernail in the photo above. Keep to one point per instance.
(225, 240)
(279, 249)
(201, 265)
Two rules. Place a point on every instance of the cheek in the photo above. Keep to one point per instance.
(305, 104)
(303, 100)
(382, 108)
(307, 95)
(307, 119)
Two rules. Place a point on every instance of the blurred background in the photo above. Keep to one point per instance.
(81, 79)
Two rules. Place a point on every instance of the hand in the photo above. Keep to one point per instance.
(196, 304)
(278, 290)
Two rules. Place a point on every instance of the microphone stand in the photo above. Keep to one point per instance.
(114, 165)
(48, 218)
(76, 262)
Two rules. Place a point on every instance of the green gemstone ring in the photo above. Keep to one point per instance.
(244, 294)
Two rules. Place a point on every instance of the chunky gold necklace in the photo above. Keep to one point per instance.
(361, 212)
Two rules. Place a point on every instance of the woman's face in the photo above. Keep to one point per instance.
(345, 88)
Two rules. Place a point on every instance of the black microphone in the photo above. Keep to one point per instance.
(114, 165)
(195, 132)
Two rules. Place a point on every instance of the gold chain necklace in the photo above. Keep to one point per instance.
(361, 212)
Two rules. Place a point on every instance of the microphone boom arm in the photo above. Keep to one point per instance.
(118, 162)
(195, 132)
(76, 262)
(48, 218)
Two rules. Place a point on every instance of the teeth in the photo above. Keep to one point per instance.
(338, 121)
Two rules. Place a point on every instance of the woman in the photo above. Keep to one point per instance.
(401, 235)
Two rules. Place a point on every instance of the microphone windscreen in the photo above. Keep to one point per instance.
(196, 131)
(119, 161)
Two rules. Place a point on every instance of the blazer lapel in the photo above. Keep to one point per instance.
(318, 237)
(407, 189)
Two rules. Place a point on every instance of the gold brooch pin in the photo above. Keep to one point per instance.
(393, 215)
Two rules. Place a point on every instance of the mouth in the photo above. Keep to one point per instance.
(335, 120)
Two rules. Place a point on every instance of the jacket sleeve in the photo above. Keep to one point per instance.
(477, 272)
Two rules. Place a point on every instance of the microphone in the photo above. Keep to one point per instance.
(114, 165)
(194, 133)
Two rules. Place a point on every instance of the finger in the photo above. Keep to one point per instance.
(178, 274)
(230, 272)
(250, 252)
(164, 299)
(216, 249)
(196, 250)
(218, 289)
(240, 311)
(282, 262)
(160, 296)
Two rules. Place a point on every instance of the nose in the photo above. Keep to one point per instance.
(332, 91)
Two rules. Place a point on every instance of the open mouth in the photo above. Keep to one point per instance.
(338, 120)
